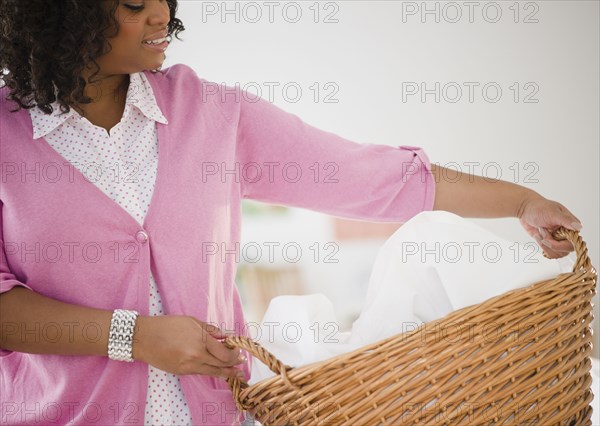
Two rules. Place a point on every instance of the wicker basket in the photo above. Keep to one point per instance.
(521, 357)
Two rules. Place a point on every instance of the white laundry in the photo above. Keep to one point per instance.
(409, 286)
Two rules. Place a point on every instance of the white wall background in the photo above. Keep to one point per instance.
(551, 53)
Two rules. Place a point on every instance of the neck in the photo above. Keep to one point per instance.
(106, 91)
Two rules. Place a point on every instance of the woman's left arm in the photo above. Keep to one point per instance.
(469, 195)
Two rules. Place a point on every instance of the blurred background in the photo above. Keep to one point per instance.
(505, 89)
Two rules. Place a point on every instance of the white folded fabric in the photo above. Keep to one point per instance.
(439, 262)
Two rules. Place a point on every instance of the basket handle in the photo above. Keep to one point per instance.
(237, 385)
(583, 260)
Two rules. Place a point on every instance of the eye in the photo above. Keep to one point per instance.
(135, 8)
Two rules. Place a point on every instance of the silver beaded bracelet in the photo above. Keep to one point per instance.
(120, 335)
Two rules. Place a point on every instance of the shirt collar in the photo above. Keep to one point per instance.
(139, 95)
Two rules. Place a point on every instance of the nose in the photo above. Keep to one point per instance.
(160, 13)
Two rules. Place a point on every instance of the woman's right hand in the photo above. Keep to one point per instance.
(183, 345)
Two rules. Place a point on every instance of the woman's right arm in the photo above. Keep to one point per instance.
(33, 323)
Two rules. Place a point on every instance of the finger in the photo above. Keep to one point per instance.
(563, 246)
(558, 246)
(223, 334)
(210, 329)
(214, 330)
(554, 256)
(210, 359)
(224, 372)
(221, 352)
(221, 355)
(547, 250)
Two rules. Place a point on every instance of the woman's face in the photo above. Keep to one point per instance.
(139, 20)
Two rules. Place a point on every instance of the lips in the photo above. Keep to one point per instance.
(156, 42)
(157, 36)
(160, 47)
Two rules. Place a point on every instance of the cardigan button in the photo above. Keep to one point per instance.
(142, 237)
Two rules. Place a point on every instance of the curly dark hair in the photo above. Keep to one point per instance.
(47, 43)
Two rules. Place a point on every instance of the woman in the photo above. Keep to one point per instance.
(120, 213)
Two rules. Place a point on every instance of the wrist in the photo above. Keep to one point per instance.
(120, 335)
(526, 197)
(140, 338)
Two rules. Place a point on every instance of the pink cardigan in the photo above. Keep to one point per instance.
(64, 238)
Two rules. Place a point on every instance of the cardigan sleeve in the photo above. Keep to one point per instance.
(7, 279)
(284, 160)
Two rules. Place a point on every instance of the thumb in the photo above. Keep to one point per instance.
(567, 221)
(218, 333)
(571, 222)
(223, 334)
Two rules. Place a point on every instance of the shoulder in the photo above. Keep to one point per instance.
(183, 84)
(177, 76)
(175, 71)
(171, 78)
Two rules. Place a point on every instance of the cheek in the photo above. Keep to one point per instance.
(128, 40)
(131, 30)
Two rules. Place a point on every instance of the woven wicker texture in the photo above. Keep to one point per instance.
(521, 357)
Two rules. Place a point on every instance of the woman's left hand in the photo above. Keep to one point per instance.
(541, 217)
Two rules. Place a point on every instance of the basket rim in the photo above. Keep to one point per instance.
(582, 271)
(576, 276)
